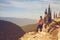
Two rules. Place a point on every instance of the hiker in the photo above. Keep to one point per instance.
(40, 23)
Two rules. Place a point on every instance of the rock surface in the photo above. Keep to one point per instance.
(37, 36)
(53, 34)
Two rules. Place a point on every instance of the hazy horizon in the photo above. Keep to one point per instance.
(31, 9)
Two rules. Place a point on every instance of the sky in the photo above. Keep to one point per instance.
(31, 9)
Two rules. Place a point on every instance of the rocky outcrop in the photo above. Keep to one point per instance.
(51, 32)
(36, 36)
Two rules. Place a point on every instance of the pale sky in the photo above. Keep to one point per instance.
(27, 8)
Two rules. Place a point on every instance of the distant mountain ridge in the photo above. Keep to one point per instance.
(30, 27)
(19, 21)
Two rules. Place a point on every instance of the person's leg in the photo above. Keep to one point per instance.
(40, 28)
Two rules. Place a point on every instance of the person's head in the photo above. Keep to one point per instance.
(40, 16)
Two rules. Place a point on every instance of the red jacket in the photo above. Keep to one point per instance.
(40, 21)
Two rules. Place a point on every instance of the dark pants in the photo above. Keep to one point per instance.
(39, 26)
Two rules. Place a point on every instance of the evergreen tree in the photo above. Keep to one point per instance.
(59, 14)
(54, 15)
